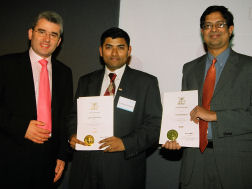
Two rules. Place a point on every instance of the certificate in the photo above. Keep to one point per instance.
(95, 119)
(176, 123)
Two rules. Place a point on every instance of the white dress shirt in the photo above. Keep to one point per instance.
(106, 80)
(36, 67)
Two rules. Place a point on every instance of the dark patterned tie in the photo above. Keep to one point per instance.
(208, 90)
(111, 88)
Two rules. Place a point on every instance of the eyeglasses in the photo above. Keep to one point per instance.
(209, 25)
(43, 33)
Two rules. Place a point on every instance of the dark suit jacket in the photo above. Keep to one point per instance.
(232, 132)
(139, 130)
(23, 161)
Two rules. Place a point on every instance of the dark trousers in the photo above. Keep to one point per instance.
(205, 173)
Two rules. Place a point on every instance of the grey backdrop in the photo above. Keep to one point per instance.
(84, 21)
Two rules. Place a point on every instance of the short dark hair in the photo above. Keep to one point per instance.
(115, 32)
(226, 14)
(51, 16)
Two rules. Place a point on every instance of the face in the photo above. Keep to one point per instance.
(216, 38)
(115, 52)
(45, 37)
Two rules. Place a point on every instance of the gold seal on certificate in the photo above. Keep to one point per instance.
(172, 135)
(89, 140)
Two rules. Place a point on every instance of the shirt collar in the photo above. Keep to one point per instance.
(221, 58)
(118, 72)
(35, 57)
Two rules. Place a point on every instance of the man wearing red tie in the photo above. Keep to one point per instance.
(122, 163)
(36, 94)
(224, 80)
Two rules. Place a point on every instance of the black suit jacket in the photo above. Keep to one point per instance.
(232, 132)
(23, 161)
(138, 130)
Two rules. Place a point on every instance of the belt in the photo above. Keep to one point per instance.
(210, 144)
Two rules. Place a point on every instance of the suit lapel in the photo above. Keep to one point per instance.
(200, 72)
(54, 84)
(227, 74)
(95, 83)
(123, 86)
(27, 82)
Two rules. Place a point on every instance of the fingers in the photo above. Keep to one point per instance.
(74, 140)
(109, 149)
(106, 140)
(201, 113)
(171, 145)
(112, 144)
(106, 144)
(35, 133)
(35, 122)
(194, 114)
(59, 170)
(40, 139)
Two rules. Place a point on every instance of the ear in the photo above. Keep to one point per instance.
(30, 34)
(100, 50)
(230, 30)
(59, 42)
(201, 31)
(129, 51)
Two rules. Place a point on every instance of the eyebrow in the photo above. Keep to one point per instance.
(215, 22)
(41, 29)
(120, 45)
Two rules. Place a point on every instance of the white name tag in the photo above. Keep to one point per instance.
(126, 104)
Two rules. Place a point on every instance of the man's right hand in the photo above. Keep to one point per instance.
(171, 145)
(73, 140)
(35, 133)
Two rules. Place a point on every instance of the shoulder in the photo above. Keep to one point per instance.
(242, 58)
(193, 65)
(195, 62)
(14, 57)
(60, 65)
(138, 75)
(240, 62)
(92, 75)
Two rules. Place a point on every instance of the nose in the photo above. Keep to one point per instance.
(47, 37)
(114, 52)
(214, 27)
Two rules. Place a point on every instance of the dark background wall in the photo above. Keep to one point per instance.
(84, 21)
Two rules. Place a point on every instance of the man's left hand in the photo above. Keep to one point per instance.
(113, 144)
(201, 113)
(60, 165)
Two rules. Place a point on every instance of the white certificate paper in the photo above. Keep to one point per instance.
(176, 116)
(95, 117)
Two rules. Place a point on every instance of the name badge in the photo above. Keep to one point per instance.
(126, 104)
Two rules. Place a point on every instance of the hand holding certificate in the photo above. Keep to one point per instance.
(95, 121)
(176, 124)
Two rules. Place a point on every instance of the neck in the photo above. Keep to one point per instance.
(216, 52)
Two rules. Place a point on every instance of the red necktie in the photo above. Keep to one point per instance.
(111, 88)
(208, 90)
(44, 97)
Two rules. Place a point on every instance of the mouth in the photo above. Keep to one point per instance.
(114, 58)
(45, 45)
(214, 36)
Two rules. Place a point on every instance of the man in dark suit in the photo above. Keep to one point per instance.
(226, 162)
(123, 162)
(31, 155)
